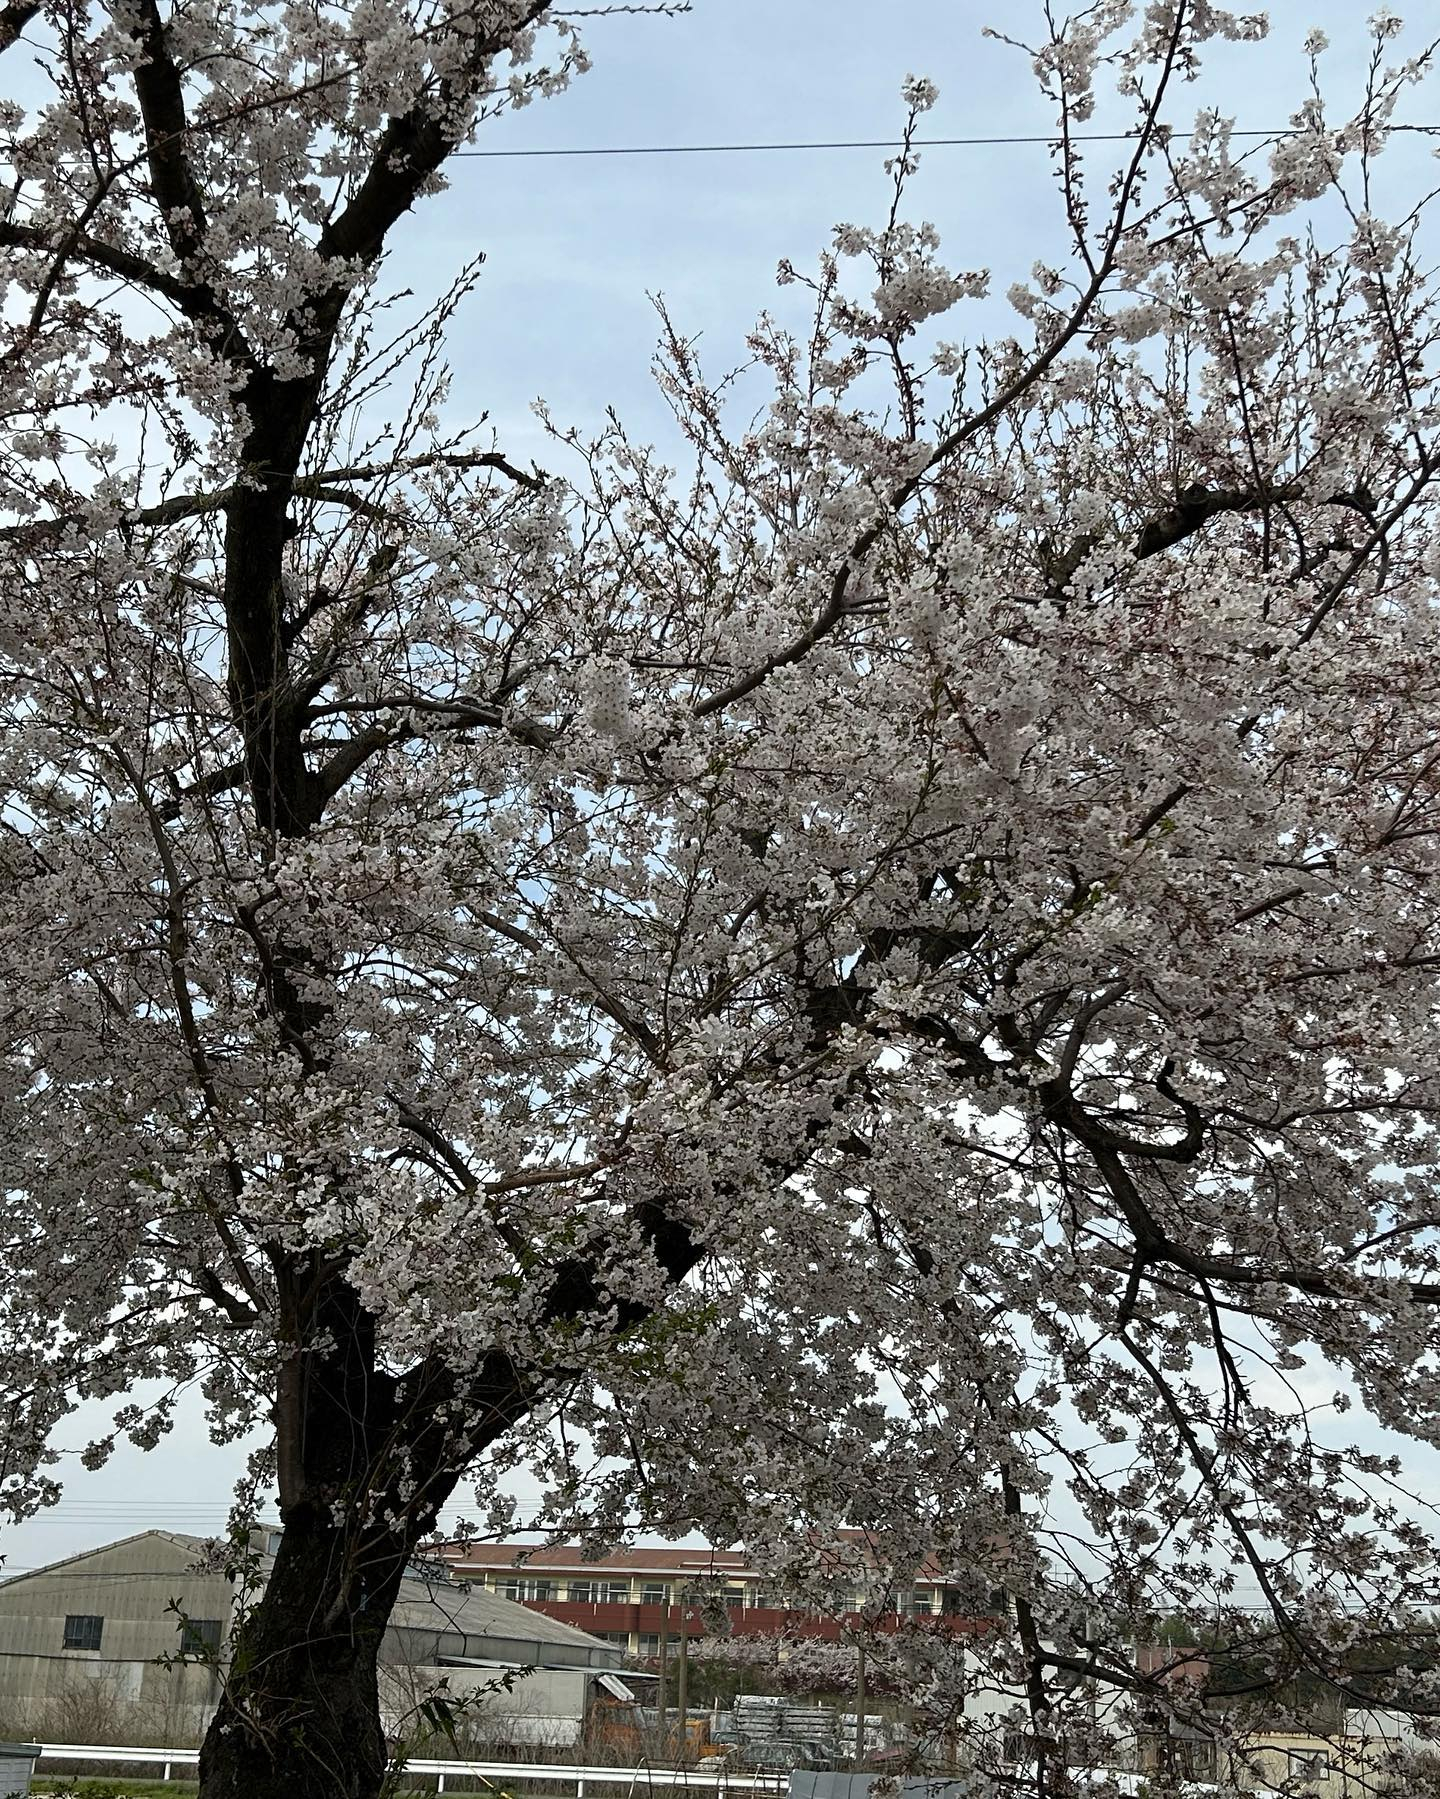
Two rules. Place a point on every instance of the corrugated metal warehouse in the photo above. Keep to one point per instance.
(92, 1637)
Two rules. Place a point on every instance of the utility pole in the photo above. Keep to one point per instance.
(682, 1693)
(660, 1718)
(860, 1705)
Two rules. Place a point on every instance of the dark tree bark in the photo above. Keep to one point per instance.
(300, 1714)
(365, 1461)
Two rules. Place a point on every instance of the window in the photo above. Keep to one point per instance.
(200, 1636)
(734, 1598)
(648, 1644)
(82, 1631)
(924, 1603)
(1198, 1760)
(599, 1592)
(512, 1586)
(654, 1592)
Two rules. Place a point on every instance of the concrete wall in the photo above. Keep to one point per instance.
(545, 1709)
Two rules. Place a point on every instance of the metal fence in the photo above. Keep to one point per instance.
(500, 1774)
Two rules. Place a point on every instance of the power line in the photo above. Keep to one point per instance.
(884, 143)
(85, 1510)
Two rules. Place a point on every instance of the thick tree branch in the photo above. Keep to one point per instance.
(459, 460)
(412, 147)
(176, 191)
(14, 17)
(326, 487)
(107, 257)
(1159, 1245)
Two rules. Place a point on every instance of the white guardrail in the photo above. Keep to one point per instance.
(502, 1773)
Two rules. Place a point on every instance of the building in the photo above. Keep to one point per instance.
(87, 1648)
(1352, 1762)
(628, 1596)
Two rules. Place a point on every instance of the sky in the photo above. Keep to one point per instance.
(574, 245)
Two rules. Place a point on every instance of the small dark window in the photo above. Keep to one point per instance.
(82, 1631)
(200, 1636)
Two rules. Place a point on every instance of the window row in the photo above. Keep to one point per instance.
(618, 1592)
(84, 1630)
(578, 1592)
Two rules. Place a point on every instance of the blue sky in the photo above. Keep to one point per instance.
(575, 244)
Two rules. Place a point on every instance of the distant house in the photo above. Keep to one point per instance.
(1352, 1762)
(84, 1646)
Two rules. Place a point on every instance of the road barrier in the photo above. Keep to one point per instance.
(502, 1774)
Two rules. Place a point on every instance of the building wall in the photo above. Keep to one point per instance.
(633, 1619)
(120, 1691)
(129, 1586)
(545, 1709)
(1313, 1767)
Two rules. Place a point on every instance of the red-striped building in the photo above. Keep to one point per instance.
(627, 1596)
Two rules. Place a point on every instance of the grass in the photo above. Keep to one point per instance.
(112, 1787)
(71, 1786)
(107, 1787)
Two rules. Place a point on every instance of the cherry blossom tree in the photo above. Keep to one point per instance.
(882, 975)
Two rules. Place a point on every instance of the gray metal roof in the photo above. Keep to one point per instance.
(191, 1545)
(439, 1607)
(431, 1605)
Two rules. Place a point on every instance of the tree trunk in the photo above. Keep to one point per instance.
(364, 1463)
(300, 1715)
